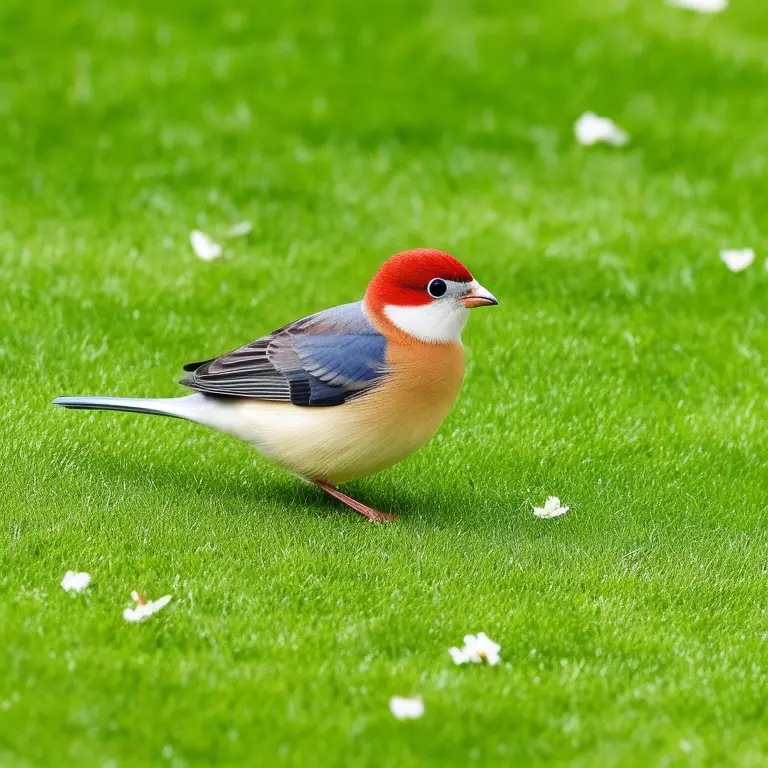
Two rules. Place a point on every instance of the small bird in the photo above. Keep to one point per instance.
(345, 392)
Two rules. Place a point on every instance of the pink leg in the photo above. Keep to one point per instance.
(371, 514)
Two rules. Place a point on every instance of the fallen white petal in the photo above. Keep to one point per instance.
(75, 582)
(487, 649)
(737, 260)
(144, 610)
(477, 649)
(590, 129)
(406, 708)
(241, 229)
(204, 246)
(550, 509)
(702, 6)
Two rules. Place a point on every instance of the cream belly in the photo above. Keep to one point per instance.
(358, 438)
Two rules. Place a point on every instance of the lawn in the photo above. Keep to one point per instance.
(624, 371)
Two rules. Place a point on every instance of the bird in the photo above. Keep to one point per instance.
(345, 392)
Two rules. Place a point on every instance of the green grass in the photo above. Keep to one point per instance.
(624, 371)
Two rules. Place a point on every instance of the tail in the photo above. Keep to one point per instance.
(176, 407)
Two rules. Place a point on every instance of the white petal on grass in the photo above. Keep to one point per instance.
(204, 246)
(737, 260)
(702, 6)
(144, 608)
(406, 708)
(241, 229)
(459, 655)
(477, 649)
(75, 582)
(550, 509)
(592, 129)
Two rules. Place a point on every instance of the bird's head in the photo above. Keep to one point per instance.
(426, 294)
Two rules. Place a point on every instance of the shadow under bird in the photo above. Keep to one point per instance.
(345, 392)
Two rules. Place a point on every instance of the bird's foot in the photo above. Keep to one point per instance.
(368, 512)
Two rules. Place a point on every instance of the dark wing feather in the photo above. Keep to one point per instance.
(323, 359)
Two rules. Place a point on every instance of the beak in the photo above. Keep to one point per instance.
(479, 297)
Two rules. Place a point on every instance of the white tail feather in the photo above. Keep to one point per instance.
(179, 407)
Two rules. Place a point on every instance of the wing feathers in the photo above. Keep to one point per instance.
(323, 359)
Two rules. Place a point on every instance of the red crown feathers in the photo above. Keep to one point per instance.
(403, 278)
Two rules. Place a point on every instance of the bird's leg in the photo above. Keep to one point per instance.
(372, 515)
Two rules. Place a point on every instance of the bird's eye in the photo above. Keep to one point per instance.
(436, 288)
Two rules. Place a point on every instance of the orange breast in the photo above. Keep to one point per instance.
(424, 383)
(403, 413)
(425, 378)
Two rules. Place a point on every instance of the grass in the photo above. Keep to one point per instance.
(624, 371)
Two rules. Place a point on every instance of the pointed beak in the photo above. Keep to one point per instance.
(478, 297)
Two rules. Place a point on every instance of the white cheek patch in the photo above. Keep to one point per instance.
(436, 322)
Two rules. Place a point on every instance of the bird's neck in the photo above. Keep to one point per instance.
(434, 324)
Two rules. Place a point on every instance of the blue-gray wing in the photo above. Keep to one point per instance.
(323, 359)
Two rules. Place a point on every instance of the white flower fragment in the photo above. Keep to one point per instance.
(204, 246)
(477, 649)
(591, 129)
(241, 229)
(144, 608)
(406, 708)
(75, 582)
(737, 260)
(550, 509)
(701, 6)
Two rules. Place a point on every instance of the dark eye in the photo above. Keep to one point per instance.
(437, 288)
